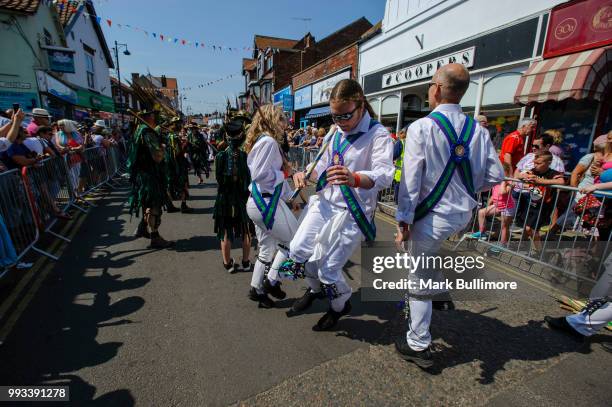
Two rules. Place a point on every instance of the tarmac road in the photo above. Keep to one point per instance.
(123, 325)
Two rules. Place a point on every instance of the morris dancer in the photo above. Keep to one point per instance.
(357, 163)
(448, 159)
(275, 225)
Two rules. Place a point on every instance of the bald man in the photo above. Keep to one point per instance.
(448, 159)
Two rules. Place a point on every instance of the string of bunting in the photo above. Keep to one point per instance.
(72, 7)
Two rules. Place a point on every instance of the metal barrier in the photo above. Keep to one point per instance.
(16, 213)
(300, 157)
(31, 198)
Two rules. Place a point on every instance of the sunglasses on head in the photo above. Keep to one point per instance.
(344, 116)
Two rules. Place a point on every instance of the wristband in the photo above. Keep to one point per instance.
(357, 180)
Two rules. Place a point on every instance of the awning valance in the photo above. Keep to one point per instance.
(583, 75)
(318, 112)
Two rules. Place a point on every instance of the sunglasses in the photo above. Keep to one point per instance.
(345, 116)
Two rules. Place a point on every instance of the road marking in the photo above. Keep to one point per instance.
(6, 329)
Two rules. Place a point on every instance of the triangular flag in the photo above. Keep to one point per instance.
(183, 42)
(175, 40)
(196, 44)
(109, 22)
(161, 36)
(99, 19)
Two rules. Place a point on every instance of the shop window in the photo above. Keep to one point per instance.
(375, 103)
(269, 63)
(390, 111)
(469, 99)
(500, 89)
(90, 66)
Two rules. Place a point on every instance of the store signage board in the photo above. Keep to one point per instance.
(47, 83)
(15, 85)
(278, 96)
(322, 90)
(288, 103)
(303, 98)
(61, 61)
(579, 26)
(427, 69)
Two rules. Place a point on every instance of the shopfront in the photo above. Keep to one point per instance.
(312, 102)
(23, 93)
(94, 104)
(570, 89)
(399, 93)
(58, 98)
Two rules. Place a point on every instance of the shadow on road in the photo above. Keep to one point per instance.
(58, 333)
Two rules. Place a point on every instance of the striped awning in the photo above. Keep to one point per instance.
(318, 112)
(584, 75)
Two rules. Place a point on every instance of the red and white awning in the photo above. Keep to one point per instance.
(584, 75)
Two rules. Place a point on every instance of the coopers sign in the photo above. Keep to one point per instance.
(427, 69)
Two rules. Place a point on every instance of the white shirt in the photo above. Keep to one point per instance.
(370, 155)
(34, 144)
(97, 139)
(265, 164)
(426, 154)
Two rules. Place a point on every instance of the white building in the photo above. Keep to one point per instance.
(496, 39)
(92, 59)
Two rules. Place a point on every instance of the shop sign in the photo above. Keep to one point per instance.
(96, 102)
(288, 103)
(47, 83)
(322, 90)
(278, 96)
(303, 98)
(15, 85)
(27, 100)
(61, 61)
(578, 26)
(427, 69)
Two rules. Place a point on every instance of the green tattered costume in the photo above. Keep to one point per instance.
(234, 178)
(147, 177)
(177, 166)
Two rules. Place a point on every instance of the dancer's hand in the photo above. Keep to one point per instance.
(299, 179)
(295, 207)
(402, 235)
(340, 175)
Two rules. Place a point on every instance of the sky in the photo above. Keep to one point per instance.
(229, 23)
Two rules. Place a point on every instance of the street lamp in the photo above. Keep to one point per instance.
(126, 52)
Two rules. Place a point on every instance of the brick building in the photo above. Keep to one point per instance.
(313, 85)
(269, 73)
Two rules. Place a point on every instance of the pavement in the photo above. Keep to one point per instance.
(122, 325)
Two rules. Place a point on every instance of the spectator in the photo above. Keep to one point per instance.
(482, 120)
(537, 198)
(320, 136)
(10, 128)
(500, 203)
(513, 145)
(557, 140)
(68, 139)
(398, 159)
(45, 135)
(40, 117)
(541, 144)
(19, 155)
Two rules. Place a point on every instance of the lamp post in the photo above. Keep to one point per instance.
(126, 52)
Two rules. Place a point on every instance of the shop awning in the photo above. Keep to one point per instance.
(318, 112)
(583, 75)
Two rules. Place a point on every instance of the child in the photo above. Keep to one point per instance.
(500, 203)
(537, 207)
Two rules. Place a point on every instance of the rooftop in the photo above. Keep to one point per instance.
(263, 42)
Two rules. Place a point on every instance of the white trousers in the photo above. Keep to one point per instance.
(427, 235)
(283, 229)
(325, 240)
(589, 324)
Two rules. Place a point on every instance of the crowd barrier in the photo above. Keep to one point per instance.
(567, 224)
(300, 157)
(32, 198)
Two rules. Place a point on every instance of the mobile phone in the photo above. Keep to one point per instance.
(15, 107)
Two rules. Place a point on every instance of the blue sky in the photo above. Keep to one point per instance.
(230, 23)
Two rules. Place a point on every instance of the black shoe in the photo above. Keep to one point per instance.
(141, 230)
(185, 208)
(331, 317)
(561, 324)
(231, 267)
(158, 242)
(263, 299)
(246, 265)
(274, 290)
(303, 303)
(443, 305)
(422, 359)
(172, 209)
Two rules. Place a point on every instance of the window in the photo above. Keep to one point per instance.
(89, 66)
(269, 63)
